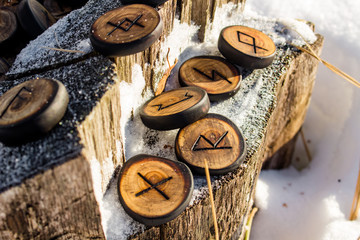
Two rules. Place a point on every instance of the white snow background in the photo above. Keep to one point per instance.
(315, 203)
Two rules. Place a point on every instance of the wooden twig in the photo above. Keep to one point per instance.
(356, 200)
(163, 80)
(249, 223)
(64, 50)
(308, 153)
(336, 70)
(211, 199)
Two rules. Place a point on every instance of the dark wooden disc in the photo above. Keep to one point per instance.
(8, 27)
(4, 66)
(219, 78)
(246, 47)
(214, 138)
(57, 8)
(126, 30)
(152, 3)
(30, 109)
(154, 190)
(34, 18)
(175, 109)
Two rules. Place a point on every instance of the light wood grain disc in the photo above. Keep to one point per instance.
(175, 109)
(126, 30)
(31, 108)
(154, 190)
(246, 46)
(8, 26)
(214, 138)
(219, 78)
(34, 17)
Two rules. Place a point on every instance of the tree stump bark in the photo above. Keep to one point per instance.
(50, 188)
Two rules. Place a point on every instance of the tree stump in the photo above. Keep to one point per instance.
(52, 188)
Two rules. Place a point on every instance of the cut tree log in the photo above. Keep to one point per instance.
(52, 188)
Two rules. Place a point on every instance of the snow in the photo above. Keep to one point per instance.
(315, 203)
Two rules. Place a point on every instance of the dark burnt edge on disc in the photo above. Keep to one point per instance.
(231, 167)
(27, 128)
(180, 119)
(220, 96)
(124, 49)
(170, 216)
(152, 3)
(237, 57)
(27, 19)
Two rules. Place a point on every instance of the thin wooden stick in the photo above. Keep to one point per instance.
(356, 200)
(211, 199)
(327, 64)
(249, 223)
(163, 80)
(64, 50)
(305, 145)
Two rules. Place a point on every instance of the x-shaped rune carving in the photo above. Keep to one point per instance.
(153, 186)
(253, 40)
(132, 23)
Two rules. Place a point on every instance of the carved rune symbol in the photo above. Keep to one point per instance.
(253, 41)
(153, 186)
(132, 23)
(214, 146)
(17, 96)
(212, 77)
(187, 97)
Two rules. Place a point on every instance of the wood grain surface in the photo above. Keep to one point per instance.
(154, 190)
(175, 108)
(31, 108)
(214, 138)
(8, 25)
(134, 26)
(246, 46)
(218, 77)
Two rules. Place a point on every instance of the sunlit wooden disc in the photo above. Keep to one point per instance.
(246, 47)
(218, 77)
(31, 109)
(214, 138)
(175, 108)
(154, 190)
(126, 30)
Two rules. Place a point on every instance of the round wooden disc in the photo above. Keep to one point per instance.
(126, 30)
(31, 108)
(4, 66)
(246, 47)
(154, 190)
(214, 138)
(57, 8)
(34, 17)
(152, 3)
(219, 78)
(8, 26)
(175, 109)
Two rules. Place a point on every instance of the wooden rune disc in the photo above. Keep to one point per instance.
(33, 17)
(214, 138)
(126, 30)
(219, 78)
(154, 190)
(246, 47)
(4, 66)
(31, 109)
(152, 3)
(175, 109)
(8, 27)
(57, 8)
